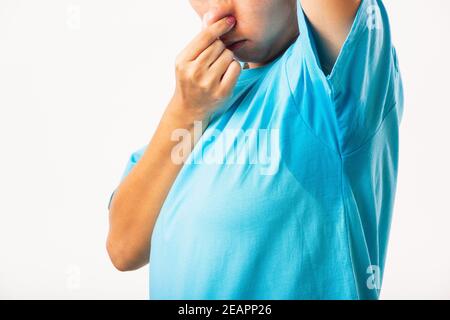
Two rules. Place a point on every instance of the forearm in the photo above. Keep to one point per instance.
(138, 199)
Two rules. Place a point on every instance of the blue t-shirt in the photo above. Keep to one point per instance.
(289, 193)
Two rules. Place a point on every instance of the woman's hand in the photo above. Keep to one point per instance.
(206, 72)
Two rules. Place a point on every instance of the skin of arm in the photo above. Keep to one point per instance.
(139, 198)
(331, 21)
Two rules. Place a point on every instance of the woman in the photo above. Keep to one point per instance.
(225, 220)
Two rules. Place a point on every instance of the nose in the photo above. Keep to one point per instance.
(218, 9)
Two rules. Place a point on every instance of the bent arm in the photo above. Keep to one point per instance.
(137, 201)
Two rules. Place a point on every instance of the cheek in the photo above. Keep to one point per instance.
(262, 33)
(261, 22)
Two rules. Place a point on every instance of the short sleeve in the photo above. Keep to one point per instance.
(132, 160)
(363, 87)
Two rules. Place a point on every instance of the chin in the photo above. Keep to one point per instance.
(250, 55)
(249, 58)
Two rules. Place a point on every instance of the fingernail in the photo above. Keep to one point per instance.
(231, 20)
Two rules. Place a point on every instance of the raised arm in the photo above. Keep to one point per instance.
(331, 21)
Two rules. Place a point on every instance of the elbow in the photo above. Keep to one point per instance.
(120, 256)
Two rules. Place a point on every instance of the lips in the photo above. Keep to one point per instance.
(229, 42)
(234, 44)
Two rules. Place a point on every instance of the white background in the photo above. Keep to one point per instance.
(84, 83)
